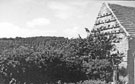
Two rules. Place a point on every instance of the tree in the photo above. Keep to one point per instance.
(39, 61)
(111, 53)
(94, 55)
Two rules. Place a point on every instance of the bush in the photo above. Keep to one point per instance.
(89, 82)
(92, 82)
(67, 61)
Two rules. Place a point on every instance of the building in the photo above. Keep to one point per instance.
(120, 20)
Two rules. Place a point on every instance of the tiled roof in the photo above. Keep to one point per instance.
(126, 16)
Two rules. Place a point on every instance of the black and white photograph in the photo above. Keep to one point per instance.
(67, 42)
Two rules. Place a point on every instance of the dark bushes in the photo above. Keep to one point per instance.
(66, 60)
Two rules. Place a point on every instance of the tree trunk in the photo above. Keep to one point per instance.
(115, 76)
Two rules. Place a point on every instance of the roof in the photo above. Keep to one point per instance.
(126, 16)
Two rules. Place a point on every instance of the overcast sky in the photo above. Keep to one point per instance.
(67, 18)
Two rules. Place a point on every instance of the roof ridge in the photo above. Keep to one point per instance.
(120, 5)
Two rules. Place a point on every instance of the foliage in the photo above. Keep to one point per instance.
(41, 60)
(92, 82)
(123, 71)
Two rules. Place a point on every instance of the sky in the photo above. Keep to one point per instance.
(61, 18)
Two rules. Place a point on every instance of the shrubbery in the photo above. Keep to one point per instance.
(65, 60)
(89, 82)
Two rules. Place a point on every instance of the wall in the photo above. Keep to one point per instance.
(107, 22)
(131, 60)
